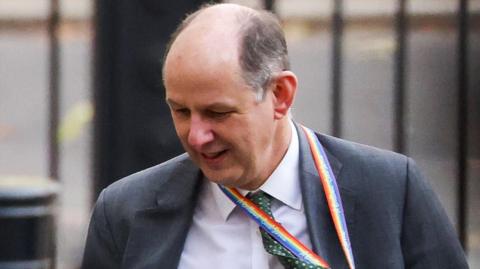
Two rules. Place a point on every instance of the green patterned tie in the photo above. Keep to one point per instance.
(286, 258)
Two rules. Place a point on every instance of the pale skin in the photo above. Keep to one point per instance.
(236, 140)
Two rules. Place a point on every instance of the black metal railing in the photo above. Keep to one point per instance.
(401, 31)
(336, 73)
(54, 91)
(462, 120)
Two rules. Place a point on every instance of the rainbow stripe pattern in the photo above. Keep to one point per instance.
(274, 228)
(331, 192)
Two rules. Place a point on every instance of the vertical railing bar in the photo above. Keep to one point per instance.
(462, 120)
(336, 75)
(54, 65)
(269, 5)
(400, 136)
(53, 94)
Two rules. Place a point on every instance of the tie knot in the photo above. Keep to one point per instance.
(262, 200)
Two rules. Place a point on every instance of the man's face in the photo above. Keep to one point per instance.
(227, 133)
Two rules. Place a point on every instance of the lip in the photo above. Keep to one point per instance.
(214, 158)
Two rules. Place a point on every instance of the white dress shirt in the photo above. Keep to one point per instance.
(223, 236)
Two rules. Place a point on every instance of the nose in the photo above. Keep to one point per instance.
(200, 133)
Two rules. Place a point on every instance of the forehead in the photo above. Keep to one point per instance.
(206, 85)
(199, 81)
(201, 66)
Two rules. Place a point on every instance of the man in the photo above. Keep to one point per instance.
(229, 88)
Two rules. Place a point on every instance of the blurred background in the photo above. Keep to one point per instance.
(81, 98)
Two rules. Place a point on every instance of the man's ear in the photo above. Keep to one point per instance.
(284, 88)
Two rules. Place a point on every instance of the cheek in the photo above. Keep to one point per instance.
(248, 144)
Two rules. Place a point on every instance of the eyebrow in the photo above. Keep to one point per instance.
(217, 105)
(220, 106)
(170, 102)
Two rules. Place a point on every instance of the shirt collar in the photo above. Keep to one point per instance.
(283, 184)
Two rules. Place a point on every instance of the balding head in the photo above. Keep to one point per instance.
(218, 33)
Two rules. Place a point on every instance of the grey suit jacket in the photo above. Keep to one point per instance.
(393, 217)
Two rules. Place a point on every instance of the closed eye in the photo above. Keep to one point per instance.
(217, 114)
(184, 112)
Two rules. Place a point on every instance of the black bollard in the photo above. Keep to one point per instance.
(27, 223)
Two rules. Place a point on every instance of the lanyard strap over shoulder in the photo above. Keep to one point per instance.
(332, 194)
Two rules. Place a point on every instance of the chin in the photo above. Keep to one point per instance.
(221, 178)
(217, 179)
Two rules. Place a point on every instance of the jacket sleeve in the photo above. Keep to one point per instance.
(428, 238)
(100, 249)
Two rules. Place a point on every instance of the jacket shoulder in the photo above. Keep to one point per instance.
(139, 190)
(351, 151)
(368, 170)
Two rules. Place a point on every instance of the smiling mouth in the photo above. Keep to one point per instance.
(214, 155)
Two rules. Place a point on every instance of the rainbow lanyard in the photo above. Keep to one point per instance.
(333, 200)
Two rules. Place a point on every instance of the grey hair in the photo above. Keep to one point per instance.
(263, 50)
(262, 47)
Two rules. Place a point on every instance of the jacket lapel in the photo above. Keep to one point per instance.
(322, 231)
(158, 233)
